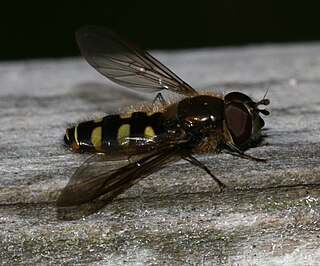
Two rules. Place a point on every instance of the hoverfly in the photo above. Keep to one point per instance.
(130, 146)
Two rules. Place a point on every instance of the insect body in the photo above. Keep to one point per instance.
(143, 141)
(116, 130)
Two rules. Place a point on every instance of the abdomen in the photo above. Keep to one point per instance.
(115, 130)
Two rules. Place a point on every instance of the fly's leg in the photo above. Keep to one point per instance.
(195, 162)
(159, 98)
(241, 154)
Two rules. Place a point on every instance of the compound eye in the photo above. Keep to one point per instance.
(239, 122)
(237, 97)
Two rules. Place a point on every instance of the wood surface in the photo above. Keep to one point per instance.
(267, 215)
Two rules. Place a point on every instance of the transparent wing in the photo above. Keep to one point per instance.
(125, 63)
(139, 146)
(98, 176)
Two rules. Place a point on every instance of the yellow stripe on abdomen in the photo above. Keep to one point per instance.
(123, 134)
(96, 137)
(149, 132)
(124, 116)
(76, 134)
(98, 120)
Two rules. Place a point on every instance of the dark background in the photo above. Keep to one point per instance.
(35, 29)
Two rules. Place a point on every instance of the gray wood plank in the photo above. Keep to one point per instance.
(268, 215)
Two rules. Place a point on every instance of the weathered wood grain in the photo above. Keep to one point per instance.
(268, 215)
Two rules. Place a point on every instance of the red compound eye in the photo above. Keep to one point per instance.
(239, 122)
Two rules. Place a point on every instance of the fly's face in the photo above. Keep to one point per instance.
(242, 118)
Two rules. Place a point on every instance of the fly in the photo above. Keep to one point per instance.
(130, 146)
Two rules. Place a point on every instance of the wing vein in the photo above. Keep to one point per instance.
(112, 55)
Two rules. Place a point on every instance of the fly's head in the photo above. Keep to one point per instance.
(242, 118)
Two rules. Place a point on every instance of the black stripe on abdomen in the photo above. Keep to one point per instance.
(135, 123)
(84, 131)
(110, 127)
(139, 121)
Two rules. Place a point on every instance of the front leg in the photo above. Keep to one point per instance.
(159, 98)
